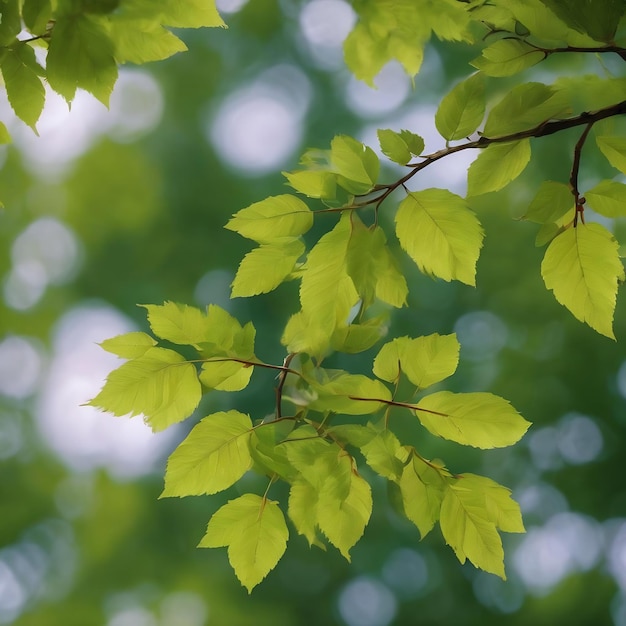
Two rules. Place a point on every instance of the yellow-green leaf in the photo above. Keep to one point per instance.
(551, 202)
(357, 164)
(313, 183)
(272, 219)
(507, 57)
(467, 529)
(614, 149)
(481, 420)
(424, 360)
(496, 166)
(339, 395)
(190, 14)
(393, 146)
(462, 110)
(608, 198)
(582, 267)
(303, 508)
(178, 323)
(384, 454)
(266, 267)
(226, 375)
(212, 457)
(81, 55)
(130, 345)
(441, 234)
(255, 532)
(160, 384)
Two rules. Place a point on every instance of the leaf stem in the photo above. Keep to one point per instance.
(573, 180)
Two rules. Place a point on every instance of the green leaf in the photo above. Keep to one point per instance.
(355, 338)
(384, 454)
(496, 166)
(268, 452)
(160, 384)
(598, 20)
(352, 434)
(462, 110)
(272, 219)
(226, 375)
(552, 202)
(507, 57)
(266, 267)
(178, 323)
(313, 183)
(343, 518)
(440, 233)
(372, 267)
(501, 509)
(11, 23)
(137, 40)
(337, 395)
(608, 198)
(422, 489)
(614, 149)
(25, 90)
(524, 107)
(327, 294)
(36, 14)
(4, 134)
(357, 164)
(424, 360)
(212, 457)
(191, 14)
(81, 55)
(303, 509)
(394, 147)
(414, 142)
(129, 345)
(467, 529)
(481, 420)
(255, 532)
(582, 267)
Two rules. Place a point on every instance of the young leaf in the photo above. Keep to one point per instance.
(524, 107)
(414, 142)
(551, 202)
(138, 40)
(393, 146)
(36, 14)
(192, 14)
(5, 137)
(422, 489)
(338, 395)
(303, 510)
(268, 452)
(372, 267)
(424, 361)
(326, 292)
(608, 198)
(384, 454)
(81, 55)
(11, 23)
(467, 529)
(582, 267)
(507, 57)
(462, 110)
(440, 233)
(501, 509)
(614, 149)
(130, 345)
(272, 219)
(255, 532)
(160, 384)
(313, 183)
(226, 375)
(178, 323)
(25, 90)
(355, 338)
(343, 518)
(212, 457)
(266, 267)
(357, 164)
(496, 166)
(481, 420)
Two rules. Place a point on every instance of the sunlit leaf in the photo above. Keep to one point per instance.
(384, 454)
(477, 419)
(582, 266)
(212, 457)
(160, 384)
(614, 149)
(608, 198)
(255, 532)
(357, 164)
(507, 57)
(551, 202)
(440, 233)
(226, 375)
(496, 166)
(129, 345)
(462, 110)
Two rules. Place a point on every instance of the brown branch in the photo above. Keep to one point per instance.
(573, 180)
(404, 405)
(281, 383)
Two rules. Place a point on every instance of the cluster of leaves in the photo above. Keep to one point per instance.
(340, 421)
(83, 41)
(317, 448)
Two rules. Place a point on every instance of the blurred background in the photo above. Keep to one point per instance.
(110, 208)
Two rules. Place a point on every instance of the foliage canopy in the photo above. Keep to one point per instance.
(332, 431)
